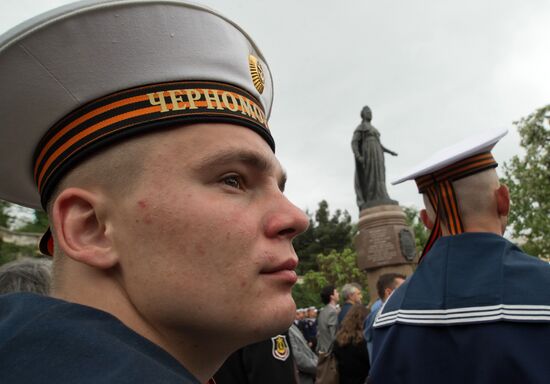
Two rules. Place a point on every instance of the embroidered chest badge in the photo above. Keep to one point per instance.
(280, 349)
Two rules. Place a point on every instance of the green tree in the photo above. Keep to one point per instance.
(15, 217)
(335, 267)
(10, 252)
(305, 297)
(528, 178)
(326, 233)
(412, 218)
(305, 245)
(4, 216)
(39, 224)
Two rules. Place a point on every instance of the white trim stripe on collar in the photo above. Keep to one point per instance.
(465, 315)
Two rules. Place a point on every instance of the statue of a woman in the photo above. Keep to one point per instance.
(370, 172)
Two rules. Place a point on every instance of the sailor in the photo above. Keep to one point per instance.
(477, 309)
(141, 127)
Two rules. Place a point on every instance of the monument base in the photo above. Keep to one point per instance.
(384, 244)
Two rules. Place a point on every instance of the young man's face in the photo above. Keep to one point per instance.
(396, 284)
(335, 296)
(205, 237)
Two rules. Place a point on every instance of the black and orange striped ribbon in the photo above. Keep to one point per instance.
(138, 110)
(438, 186)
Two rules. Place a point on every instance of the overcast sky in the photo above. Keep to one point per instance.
(432, 71)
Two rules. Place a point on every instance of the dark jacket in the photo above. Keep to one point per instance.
(476, 310)
(269, 361)
(45, 340)
(344, 311)
(353, 362)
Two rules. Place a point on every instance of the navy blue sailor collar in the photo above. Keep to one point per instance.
(471, 278)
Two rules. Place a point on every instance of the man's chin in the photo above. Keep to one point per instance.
(275, 323)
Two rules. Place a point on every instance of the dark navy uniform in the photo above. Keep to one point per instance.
(266, 362)
(45, 340)
(477, 310)
(309, 331)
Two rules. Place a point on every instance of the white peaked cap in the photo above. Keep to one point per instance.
(58, 62)
(481, 142)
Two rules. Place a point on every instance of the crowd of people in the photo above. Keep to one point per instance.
(343, 330)
(293, 356)
(142, 129)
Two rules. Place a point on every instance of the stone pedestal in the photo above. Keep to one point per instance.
(384, 244)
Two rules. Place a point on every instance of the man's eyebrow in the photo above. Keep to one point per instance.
(250, 158)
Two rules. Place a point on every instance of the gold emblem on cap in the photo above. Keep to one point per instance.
(257, 73)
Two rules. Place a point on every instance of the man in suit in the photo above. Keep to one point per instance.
(327, 321)
(352, 295)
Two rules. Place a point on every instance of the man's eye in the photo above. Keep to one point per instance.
(233, 181)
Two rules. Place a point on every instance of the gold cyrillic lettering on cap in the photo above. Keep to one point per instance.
(175, 97)
(159, 101)
(210, 98)
(257, 73)
(231, 105)
(259, 113)
(127, 110)
(214, 98)
(246, 108)
(192, 96)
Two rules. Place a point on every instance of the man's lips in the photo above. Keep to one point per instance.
(287, 265)
(283, 272)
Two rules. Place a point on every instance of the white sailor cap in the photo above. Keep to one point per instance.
(471, 146)
(93, 72)
(435, 177)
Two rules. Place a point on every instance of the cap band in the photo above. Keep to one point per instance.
(438, 187)
(46, 243)
(139, 110)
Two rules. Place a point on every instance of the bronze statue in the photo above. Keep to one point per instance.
(370, 172)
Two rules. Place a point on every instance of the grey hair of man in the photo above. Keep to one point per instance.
(26, 275)
(348, 290)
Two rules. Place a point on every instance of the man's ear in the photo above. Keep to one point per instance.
(502, 196)
(503, 200)
(426, 219)
(80, 230)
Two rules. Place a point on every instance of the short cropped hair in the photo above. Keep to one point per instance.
(326, 293)
(26, 275)
(475, 196)
(387, 281)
